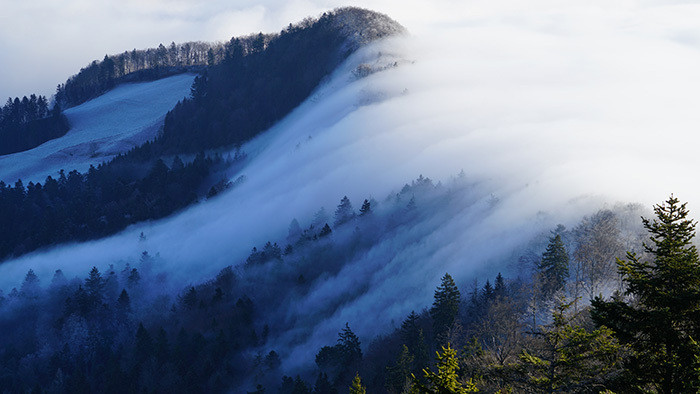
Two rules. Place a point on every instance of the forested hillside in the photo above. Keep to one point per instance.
(245, 87)
(262, 223)
(536, 332)
(106, 199)
(136, 65)
(262, 78)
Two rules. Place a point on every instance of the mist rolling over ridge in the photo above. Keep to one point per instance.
(473, 135)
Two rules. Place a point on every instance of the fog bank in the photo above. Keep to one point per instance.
(553, 110)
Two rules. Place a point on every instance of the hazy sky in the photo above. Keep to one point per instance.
(43, 42)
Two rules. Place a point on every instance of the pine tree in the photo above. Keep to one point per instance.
(350, 345)
(356, 387)
(124, 302)
(499, 289)
(400, 373)
(30, 287)
(58, 279)
(134, 278)
(323, 385)
(445, 307)
(487, 293)
(325, 231)
(660, 320)
(446, 379)
(366, 208)
(300, 386)
(554, 267)
(161, 346)
(94, 285)
(412, 337)
(344, 213)
(189, 299)
(567, 358)
(143, 344)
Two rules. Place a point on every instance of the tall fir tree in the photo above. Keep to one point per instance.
(349, 344)
(30, 287)
(445, 307)
(413, 338)
(660, 318)
(344, 213)
(554, 267)
(366, 208)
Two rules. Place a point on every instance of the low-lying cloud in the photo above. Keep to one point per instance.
(554, 109)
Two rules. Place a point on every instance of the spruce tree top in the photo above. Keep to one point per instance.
(445, 307)
(661, 321)
(554, 267)
(672, 279)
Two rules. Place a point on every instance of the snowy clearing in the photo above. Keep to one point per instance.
(101, 128)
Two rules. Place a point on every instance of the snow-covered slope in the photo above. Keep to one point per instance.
(111, 124)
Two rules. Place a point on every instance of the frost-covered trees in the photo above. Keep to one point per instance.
(597, 246)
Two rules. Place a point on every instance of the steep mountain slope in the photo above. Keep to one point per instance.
(257, 80)
(115, 122)
(263, 77)
(533, 155)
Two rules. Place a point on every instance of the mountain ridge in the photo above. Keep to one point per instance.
(358, 26)
(259, 80)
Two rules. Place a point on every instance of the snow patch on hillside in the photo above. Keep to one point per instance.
(101, 128)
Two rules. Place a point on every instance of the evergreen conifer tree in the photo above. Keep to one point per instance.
(30, 287)
(445, 307)
(344, 213)
(366, 208)
(398, 374)
(500, 286)
(94, 285)
(143, 344)
(350, 344)
(356, 387)
(124, 302)
(446, 379)
(325, 231)
(568, 358)
(323, 385)
(412, 337)
(660, 319)
(554, 267)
